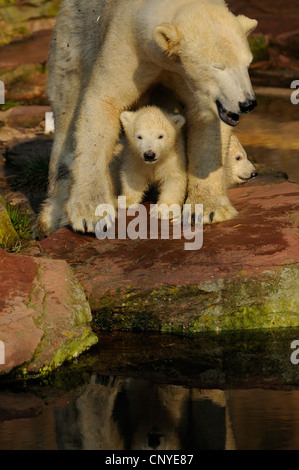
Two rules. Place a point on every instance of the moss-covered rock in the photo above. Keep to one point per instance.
(19, 18)
(49, 316)
(270, 300)
(8, 235)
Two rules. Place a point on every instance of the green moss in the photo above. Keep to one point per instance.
(21, 223)
(259, 47)
(9, 104)
(5, 3)
(270, 300)
(160, 309)
(72, 348)
(9, 239)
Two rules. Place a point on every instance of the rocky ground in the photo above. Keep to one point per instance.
(245, 276)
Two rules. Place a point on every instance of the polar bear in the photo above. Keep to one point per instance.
(104, 55)
(153, 154)
(238, 169)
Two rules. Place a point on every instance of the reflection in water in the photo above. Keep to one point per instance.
(270, 134)
(128, 414)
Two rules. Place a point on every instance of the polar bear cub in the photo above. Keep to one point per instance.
(238, 168)
(154, 153)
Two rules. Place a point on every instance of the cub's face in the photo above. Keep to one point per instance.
(151, 132)
(241, 168)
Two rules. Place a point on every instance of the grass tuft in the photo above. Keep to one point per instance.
(22, 223)
(32, 175)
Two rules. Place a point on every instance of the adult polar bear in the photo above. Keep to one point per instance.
(104, 55)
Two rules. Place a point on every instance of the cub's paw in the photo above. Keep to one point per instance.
(213, 215)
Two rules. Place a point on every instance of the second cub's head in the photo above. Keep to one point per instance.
(151, 132)
(240, 168)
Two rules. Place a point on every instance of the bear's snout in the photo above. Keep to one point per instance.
(149, 156)
(254, 174)
(247, 106)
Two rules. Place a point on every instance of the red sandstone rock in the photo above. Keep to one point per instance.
(274, 16)
(34, 50)
(43, 313)
(27, 116)
(263, 237)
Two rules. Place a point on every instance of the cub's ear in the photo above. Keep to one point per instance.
(126, 117)
(167, 38)
(178, 120)
(248, 25)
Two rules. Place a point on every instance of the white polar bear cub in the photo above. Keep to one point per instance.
(154, 152)
(238, 168)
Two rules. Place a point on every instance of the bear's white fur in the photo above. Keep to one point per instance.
(154, 153)
(104, 55)
(238, 168)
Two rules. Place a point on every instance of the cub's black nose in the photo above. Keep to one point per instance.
(254, 174)
(149, 156)
(247, 106)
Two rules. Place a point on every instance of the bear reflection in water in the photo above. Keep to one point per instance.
(128, 414)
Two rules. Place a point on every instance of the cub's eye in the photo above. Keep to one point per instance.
(139, 137)
(238, 158)
(161, 136)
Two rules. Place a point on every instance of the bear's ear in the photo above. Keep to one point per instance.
(126, 117)
(248, 25)
(178, 120)
(167, 38)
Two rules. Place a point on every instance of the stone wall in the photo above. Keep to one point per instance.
(20, 18)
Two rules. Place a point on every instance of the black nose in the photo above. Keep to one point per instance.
(247, 106)
(149, 156)
(254, 174)
(154, 440)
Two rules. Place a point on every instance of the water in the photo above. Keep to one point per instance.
(112, 413)
(270, 133)
(135, 392)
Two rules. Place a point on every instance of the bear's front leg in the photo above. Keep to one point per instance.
(172, 196)
(91, 181)
(97, 130)
(206, 144)
(133, 187)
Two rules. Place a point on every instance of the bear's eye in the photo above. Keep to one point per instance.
(161, 136)
(238, 158)
(219, 66)
(139, 137)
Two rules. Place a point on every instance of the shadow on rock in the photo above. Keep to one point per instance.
(26, 169)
